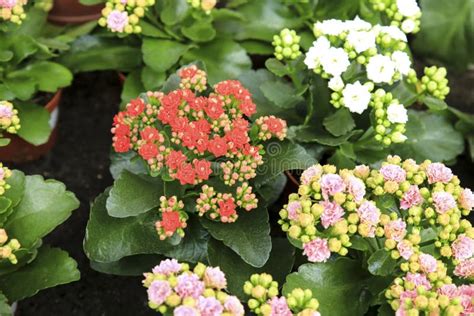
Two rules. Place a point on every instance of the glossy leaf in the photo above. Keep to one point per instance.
(381, 263)
(34, 119)
(339, 123)
(128, 266)
(160, 54)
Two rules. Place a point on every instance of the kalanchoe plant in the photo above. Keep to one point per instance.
(404, 221)
(175, 289)
(9, 121)
(30, 209)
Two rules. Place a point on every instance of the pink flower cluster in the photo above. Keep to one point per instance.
(175, 289)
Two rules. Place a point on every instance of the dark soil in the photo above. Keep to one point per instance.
(81, 160)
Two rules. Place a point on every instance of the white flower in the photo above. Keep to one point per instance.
(408, 8)
(402, 62)
(335, 61)
(361, 40)
(330, 27)
(380, 69)
(394, 32)
(358, 24)
(336, 84)
(319, 48)
(408, 26)
(356, 97)
(396, 113)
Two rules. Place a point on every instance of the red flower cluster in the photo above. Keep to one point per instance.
(173, 218)
(179, 134)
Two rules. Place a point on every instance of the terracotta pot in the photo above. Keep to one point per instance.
(20, 151)
(72, 12)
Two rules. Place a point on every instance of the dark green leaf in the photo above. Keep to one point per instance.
(334, 284)
(128, 266)
(174, 11)
(257, 47)
(434, 104)
(237, 271)
(17, 187)
(160, 54)
(281, 94)
(249, 236)
(276, 66)
(199, 31)
(272, 190)
(339, 123)
(48, 76)
(311, 134)
(34, 119)
(132, 87)
(51, 267)
(381, 263)
(151, 79)
(127, 161)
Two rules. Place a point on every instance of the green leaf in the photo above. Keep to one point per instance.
(5, 308)
(276, 67)
(310, 134)
(280, 157)
(22, 88)
(48, 76)
(249, 236)
(150, 30)
(44, 206)
(132, 87)
(128, 266)
(405, 93)
(281, 94)
(381, 263)
(237, 271)
(93, 52)
(109, 239)
(35, 128)
(17, 187)
(200, 31)
(334, 283)
(257, 47)
(339, 123)
(51, 267)
(224, 59)
(160, 54)
(434, 103)
(173, 11)
(132, 195)
(130, 161)
(455, 21)
(151, 79)
(430, 136)
(271, 191)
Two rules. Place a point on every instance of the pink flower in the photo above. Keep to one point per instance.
(467, 295)
(189, 285)
(356, 188)
(317, 250)
(412, 197)
(443, 201)
(279, 307)
(294, 208)
(463, 247)
(450, 290)
(233, 306)
(5, 110)
(167, 267)
(465, 269)
(438, 172)
(418, 279)
(395, 230)
(311, 173)
(332, 184)
(332, 213)
(215, 278)
(185, 311)
(466, 199)
(369, 213)
(158, 292)
(428, 263)
(209, 306)
(393, 173)
(8, 4)
(405, 249)
(117, 20)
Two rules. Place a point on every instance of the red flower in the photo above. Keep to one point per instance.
(248, 107)
(122, 130)
(148, 151)
(179, 124)
(227, 207)
(237, 137)
(214, 108)
(167, 115)
(240, 123)
(202, 126)
(188, 72)
(188, 95)
(135, 107)
(175, 159)
(202, 144)
(170, 221)
(190, 136)
(275, 125)
(150, 134)
(186, 174)
(122, 144)
(202, 168)
(217, 146)
(172, 100)
(198, 103)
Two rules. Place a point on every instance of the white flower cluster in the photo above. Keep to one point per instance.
(345, 47)
(402, 13)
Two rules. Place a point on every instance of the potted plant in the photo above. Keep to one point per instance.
(31, 208)
(74, 11)
(32, 80)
